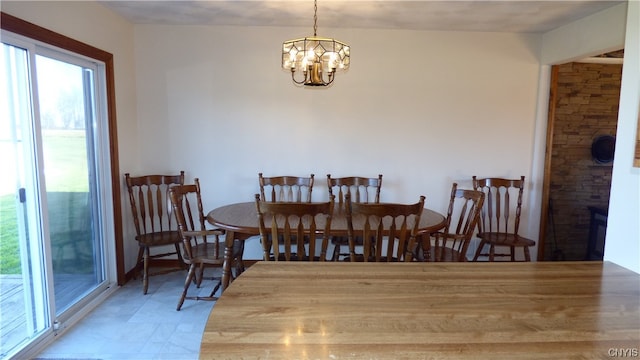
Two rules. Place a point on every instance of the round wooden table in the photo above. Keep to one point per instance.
(240, 221)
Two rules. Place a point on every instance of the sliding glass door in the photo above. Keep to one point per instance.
(65, 93)
(24, 309)
(54, 191)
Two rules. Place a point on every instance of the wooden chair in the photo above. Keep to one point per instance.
(500, 218)
(153, 220)
(202, 247)
(452, 243)
(361, 190)
(298, 226)
(377, 224)
(286, 188)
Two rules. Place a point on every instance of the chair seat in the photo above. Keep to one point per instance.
(444, 254)
(505, 239)
(159, 238)
(205, 253)
(344, 240)
(360, 258)
(339, 241)
(294, 257)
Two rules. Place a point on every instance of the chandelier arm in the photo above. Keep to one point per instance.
(293, 78)
(331, 78)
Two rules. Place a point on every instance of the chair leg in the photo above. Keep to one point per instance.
(215, 289)
(237, 268)
(527, 256)
(179, 253)
(492, 252)
(145, 271)
(200, 276)
(336, 252)
(190, 275)
(138, 261)
(478, 250)
(237, 262)
(513, 253)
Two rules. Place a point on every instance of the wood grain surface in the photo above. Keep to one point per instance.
(333, 310)
(240, 221)
(243, 218)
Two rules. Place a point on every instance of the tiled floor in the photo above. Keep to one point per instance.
(130, 325)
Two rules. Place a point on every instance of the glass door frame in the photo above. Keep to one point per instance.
(112, 234)
(20, 27)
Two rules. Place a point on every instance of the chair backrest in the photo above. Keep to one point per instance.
(379, 223)
(452, 243)
(503, 203)
(296, 227)
(186, 201)
(150, 204)
(360, 189)
(286, 188)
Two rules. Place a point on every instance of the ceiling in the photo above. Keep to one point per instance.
(451, 15)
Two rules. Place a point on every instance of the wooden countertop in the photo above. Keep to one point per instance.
(537, 310)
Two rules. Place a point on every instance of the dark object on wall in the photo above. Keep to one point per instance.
(602, 149)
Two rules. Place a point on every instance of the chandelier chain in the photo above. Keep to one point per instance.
(315, 17)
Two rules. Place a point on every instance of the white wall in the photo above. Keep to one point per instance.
(623, 230)
(592, 35)
(428, 109)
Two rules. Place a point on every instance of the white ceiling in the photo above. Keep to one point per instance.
(452, 15)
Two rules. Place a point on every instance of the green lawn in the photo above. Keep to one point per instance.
(9, 250)
(66, 164)
(65, 160)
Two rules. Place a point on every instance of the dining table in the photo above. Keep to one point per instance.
(240, 222)
(418, 310)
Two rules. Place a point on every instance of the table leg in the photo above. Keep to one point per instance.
(233, 250)
(423, 247)
(228, 258)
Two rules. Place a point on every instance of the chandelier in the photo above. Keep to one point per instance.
(310, 58)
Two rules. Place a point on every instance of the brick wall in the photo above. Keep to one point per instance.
(587, 107)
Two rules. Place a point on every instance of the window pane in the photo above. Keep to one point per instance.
(23, 307)
(66, 113)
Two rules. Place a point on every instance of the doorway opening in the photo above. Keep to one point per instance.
(581, 129)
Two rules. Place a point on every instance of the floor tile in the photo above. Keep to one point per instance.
(131, 325)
